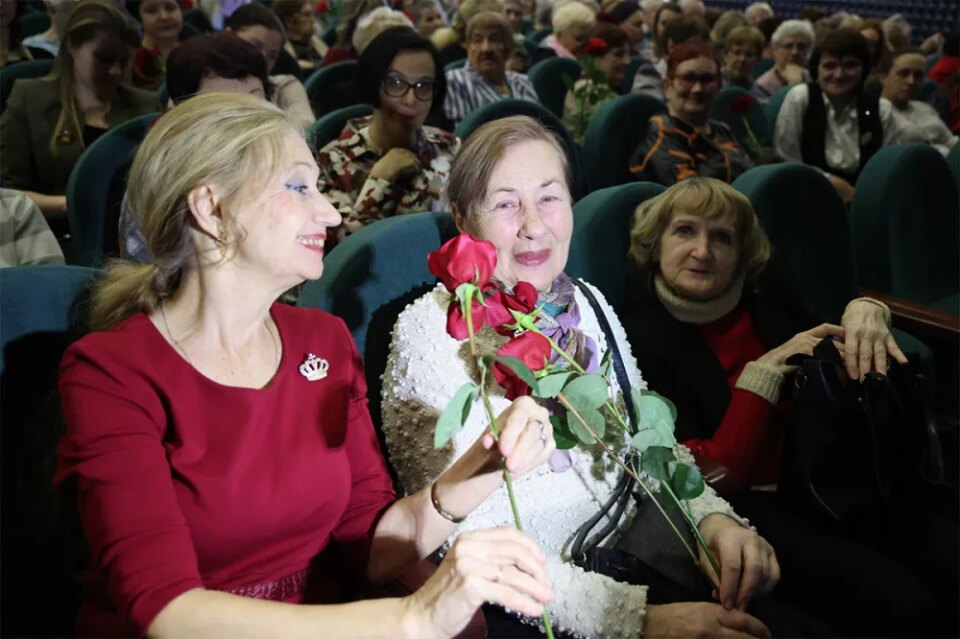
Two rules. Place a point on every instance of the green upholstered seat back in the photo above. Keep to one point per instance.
(14, 72)
(95, 191)
(612, 136)
(330, 126)
(806, 222)
(906, 221)
(332, 87)
(601, 236)
(44, 554)
(547, 79)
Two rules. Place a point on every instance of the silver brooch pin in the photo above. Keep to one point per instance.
(314, 368)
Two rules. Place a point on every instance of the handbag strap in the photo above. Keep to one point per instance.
(622, 491)
(618, 367)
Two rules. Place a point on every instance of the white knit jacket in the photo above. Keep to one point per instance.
(424, 369)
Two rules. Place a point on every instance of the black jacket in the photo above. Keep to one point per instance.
(676, 361)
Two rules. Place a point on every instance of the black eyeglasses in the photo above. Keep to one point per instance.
(397, 87)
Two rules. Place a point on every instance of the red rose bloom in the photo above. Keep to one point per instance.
(533, 349)
(322, 6)
(463, 259)
(596, 46)
(741, 104)
(523, 300)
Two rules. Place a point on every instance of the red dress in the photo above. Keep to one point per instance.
(185, 483)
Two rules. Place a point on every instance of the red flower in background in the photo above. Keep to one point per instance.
(596, 47)
(741, 104)
(464, 259)
(533, 349)
(322, 7)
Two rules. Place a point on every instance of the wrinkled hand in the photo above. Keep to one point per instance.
(526, 436)
(844, 188)
(802, 343)
(396, 163)
(748, 563)
(701, 620)
(867, 340)
(501, 565)
(793, 74)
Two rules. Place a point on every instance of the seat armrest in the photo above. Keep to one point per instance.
(919, 320)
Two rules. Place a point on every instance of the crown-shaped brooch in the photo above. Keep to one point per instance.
(314, 368)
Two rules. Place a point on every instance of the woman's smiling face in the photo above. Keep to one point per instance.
(526, 214)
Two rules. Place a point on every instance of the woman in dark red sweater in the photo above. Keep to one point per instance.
(219, 442)
(712, 323)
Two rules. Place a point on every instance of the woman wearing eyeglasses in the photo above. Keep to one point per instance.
(389, 163)
(685, 142)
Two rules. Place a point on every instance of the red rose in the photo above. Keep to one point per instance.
(322, 6)
(457, 323)
(523, 300)
(741, 104)
(463, 259)
(533, 349)
(596, 46)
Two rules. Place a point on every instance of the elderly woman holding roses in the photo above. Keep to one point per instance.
(509, 187)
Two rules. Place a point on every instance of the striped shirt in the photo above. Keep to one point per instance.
(467, 91)
(25, 237)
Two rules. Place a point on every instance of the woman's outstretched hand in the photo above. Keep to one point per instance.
(501, 566)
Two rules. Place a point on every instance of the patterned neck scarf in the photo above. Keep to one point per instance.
(560, 321)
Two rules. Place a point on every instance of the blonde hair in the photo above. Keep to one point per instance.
(89, 20)
(482, 151)
(375, 23)
(727, 22)
(572, 14)
(230, 142)
(713, 199)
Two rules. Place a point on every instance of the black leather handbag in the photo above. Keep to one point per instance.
(648, 552)
(859, 447)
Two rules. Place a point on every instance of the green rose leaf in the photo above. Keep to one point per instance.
(648, 437)
(606, 364)
(562, 435)
(687, 482)
(655, 461)
(654, 414)
(551, 385)
(594, 419)
(588, 391)
(455, 414)
(670, 405)
(521, 370)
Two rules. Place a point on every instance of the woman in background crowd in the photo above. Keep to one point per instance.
(792, 42)
(572, 23)
(833, 123)
(49, 121)
(262, 28)
(390, 163)
(302, 43)
(741, 52)
(162, 22)
(902, 73)
(685, 142)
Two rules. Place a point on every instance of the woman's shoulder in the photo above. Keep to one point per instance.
(127, 346)
(35, 90)
(311, 324)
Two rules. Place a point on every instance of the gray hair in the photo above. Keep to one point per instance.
(789, 28)
(759, 6)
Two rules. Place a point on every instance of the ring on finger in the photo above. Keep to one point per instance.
(499, 575)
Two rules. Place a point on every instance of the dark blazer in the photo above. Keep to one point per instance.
(676, 361)
(27, 126)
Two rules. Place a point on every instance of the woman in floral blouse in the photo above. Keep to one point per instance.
(390, 163)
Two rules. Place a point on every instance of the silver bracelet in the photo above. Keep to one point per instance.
(439, 509)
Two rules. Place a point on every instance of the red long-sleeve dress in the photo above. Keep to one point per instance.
(185, 483)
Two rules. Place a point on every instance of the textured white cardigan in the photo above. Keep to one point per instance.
(424, 369)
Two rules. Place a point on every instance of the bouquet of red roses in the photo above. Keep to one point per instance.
(522, 366)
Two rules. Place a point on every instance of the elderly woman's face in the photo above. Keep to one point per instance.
(526, 215)
(792, 49)
(698, 257)
(692, 88)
